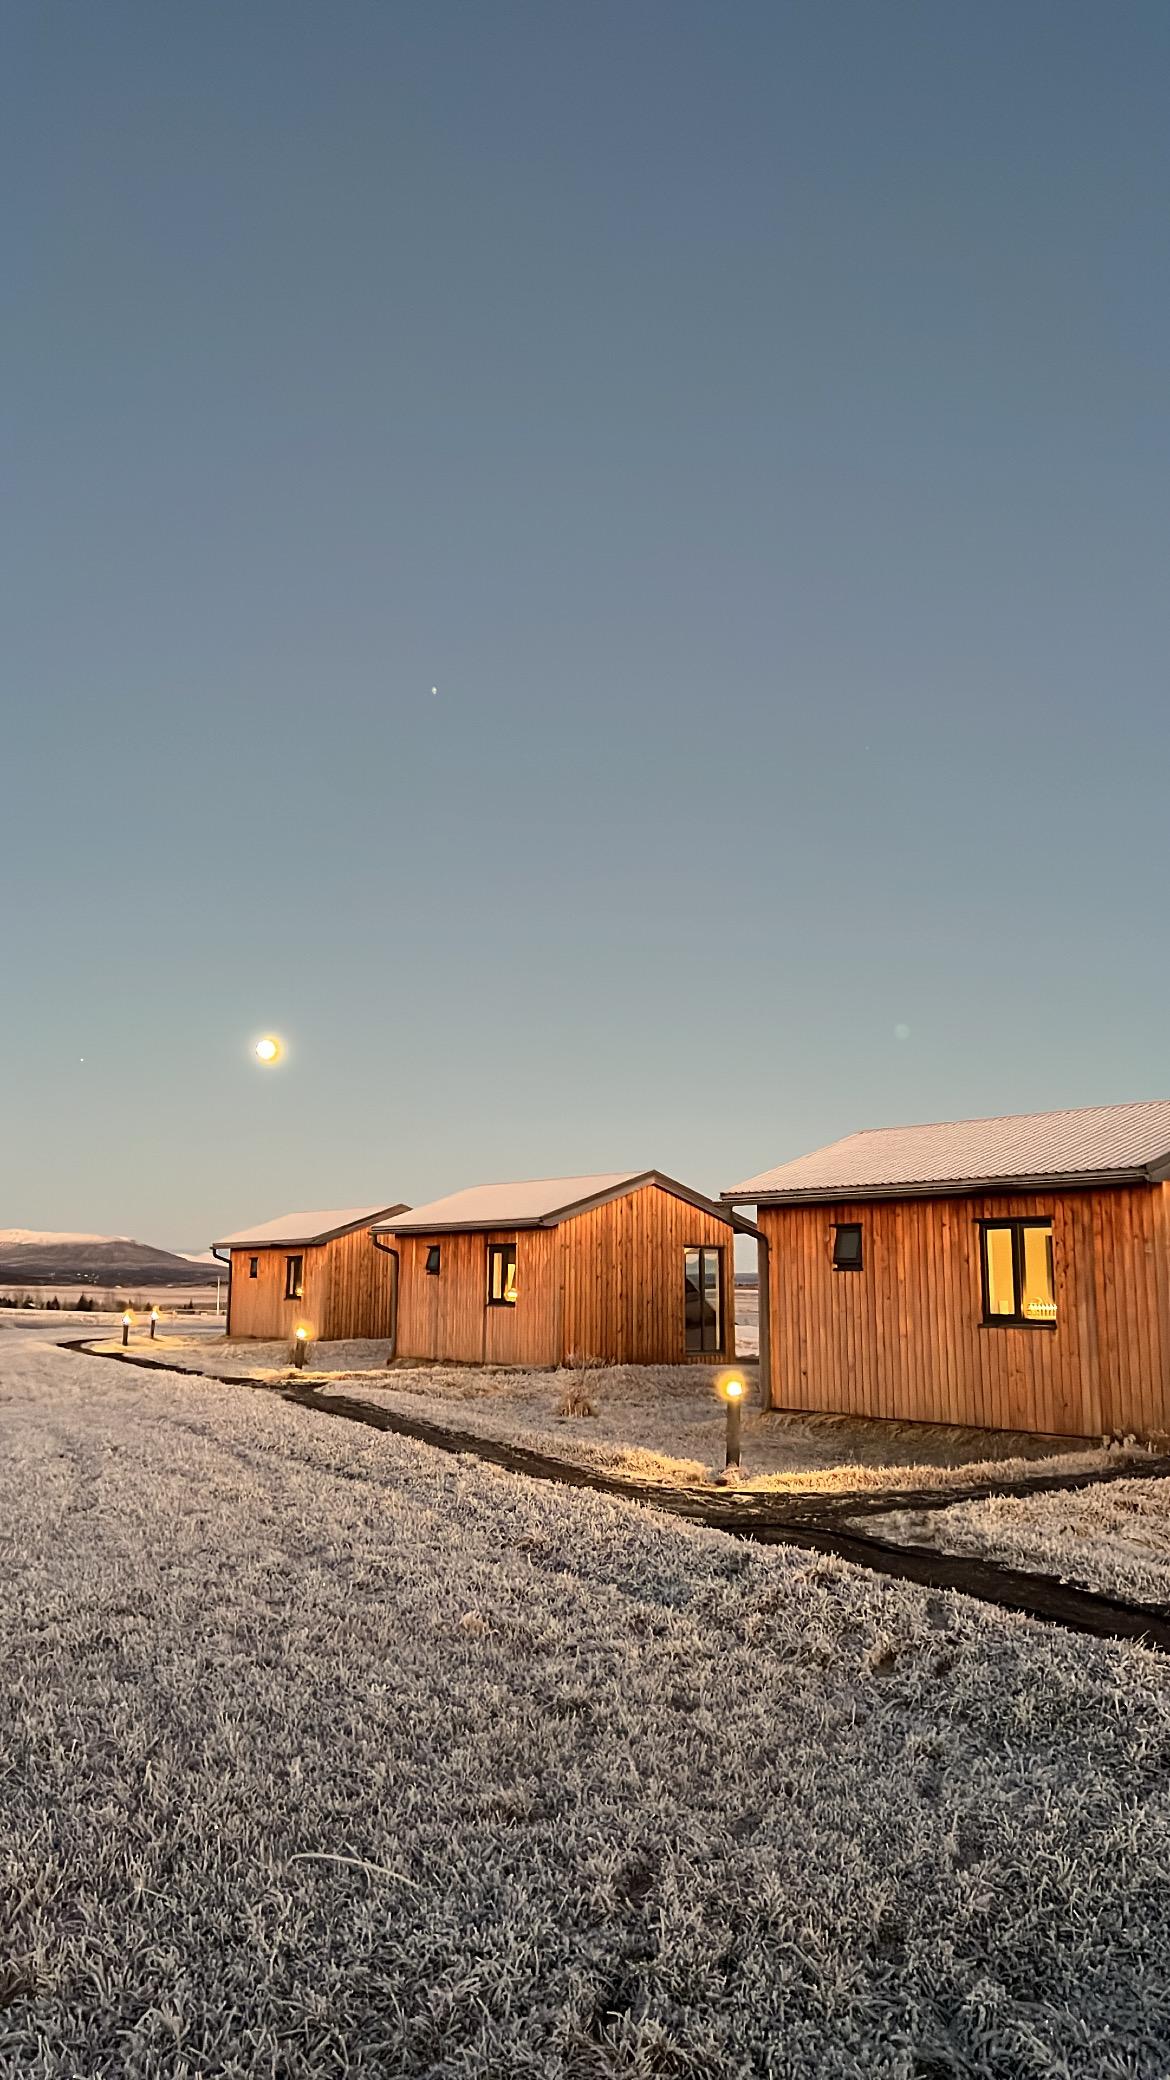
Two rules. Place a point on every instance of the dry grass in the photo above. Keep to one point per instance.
(327, 1755)
(656, 1422)
(1114, 1539)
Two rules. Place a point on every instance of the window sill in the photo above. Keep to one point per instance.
(1012, 1321)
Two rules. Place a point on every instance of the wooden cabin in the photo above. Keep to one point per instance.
(626, 1268)
(1006, 1273)
(320, 1271)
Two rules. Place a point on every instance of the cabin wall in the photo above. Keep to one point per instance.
(258, 1307)
(448, 1317)
(607, 1285)
(904, 1337)
(624, 1286)
(355, 1288)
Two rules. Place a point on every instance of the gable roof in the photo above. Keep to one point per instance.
(541, 1202)
(307, 1227)
(1098, 1144)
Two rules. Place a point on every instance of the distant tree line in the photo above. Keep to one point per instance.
(89, 1303)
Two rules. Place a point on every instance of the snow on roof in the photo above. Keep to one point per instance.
(526, 1205)
(306, 1227)
(542, 1202)
(1103, 1143)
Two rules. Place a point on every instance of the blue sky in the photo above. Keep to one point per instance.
(753, 421)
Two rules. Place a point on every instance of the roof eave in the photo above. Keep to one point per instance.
(262, 1242)
(956, 1188)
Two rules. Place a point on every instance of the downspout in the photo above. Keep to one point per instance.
(228, 1261)
(388, 1250)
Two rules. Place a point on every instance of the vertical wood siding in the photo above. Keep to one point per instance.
(623, 1273)
(348, 1291)
(904, 1336)
(357, 1288)
(259, 1308)
(448, 1316)
(606, 1285)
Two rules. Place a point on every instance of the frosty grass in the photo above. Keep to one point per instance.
(328, 1754)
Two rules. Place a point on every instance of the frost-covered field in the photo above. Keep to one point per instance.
(1115, 1538)
(654, 1422)
(325, 1754)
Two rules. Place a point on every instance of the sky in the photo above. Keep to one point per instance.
(752, 421)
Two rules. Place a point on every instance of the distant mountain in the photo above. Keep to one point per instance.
(30, 1258)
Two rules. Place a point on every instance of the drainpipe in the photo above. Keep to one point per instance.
(227, 1330)
(388, 1250)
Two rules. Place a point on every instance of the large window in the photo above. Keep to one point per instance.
(1018, 1281)
(703, 1297)
(847, 1246)
(501, 1274)
(294, 1278)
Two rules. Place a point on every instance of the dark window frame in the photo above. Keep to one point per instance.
(1016, 1223)
(506, 1252)
(294, 1282)
(253, 1267)
(856, 1263)
(701, 1349)
(434, 1263)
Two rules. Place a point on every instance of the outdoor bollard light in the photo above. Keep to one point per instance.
(733, 1395)
(153, 1322)
(300, 1346)
(126, 1321)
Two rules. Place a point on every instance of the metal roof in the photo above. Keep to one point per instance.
(540, 1202)
(1097, 1144)
(307, 1228)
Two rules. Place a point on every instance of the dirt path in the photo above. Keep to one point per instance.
(813, 1523)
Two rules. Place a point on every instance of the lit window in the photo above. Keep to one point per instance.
(294, 1278)
(1018, 1280)
(433, 1260)
(253, 1267)
(847, 1246)
(501, 1269)
(703, 1299)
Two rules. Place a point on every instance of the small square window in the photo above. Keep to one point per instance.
(294, 1278)
(434, 1259)
(847, 1246)
(253, 1267)
(501, 1274)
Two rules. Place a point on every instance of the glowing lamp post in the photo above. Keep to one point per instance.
(153, 1322)
(300, 1347)
(731, 1389)
(127, 1318)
